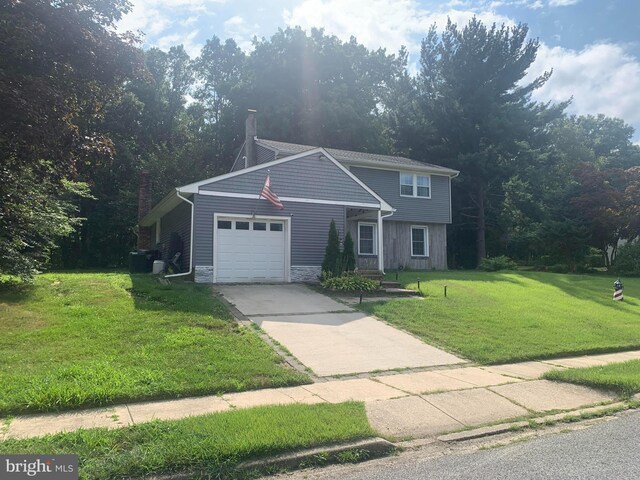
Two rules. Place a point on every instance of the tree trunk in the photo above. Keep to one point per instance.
(481, 247)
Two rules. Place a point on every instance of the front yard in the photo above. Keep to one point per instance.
(84, 339)
(516, 316)
(623, 377)
(210, 446)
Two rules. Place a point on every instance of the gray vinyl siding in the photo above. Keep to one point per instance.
(312, 177)
(152, 236)
(309, 225)
(263, 154)
(386, 183)
(177, 220)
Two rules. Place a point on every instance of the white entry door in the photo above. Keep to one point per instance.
(249, 250)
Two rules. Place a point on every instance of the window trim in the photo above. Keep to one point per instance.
(415, 185)
(375, 239)
(425, 228)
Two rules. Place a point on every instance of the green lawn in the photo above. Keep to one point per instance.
(515, 316)
(84, 339)
(623, 378)
(211, 445)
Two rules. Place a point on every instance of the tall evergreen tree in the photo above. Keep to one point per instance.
(332, 262)
(471, 90)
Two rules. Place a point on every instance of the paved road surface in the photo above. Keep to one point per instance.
(609, 450)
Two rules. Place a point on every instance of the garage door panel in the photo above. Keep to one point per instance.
(250, 255)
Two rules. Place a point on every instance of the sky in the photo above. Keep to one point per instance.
(593, 46)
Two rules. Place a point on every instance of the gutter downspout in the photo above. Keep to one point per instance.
(381, 238)
(190, 240)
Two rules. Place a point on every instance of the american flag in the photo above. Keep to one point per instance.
(269, 195)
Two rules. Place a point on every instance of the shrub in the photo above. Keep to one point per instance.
(493, 264)
(348, 254)
(627, 260)
(332, 262)
(350, 283)
(559, 268)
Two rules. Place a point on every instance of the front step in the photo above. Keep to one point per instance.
(388, 284)
(400, 292)
(371, 274)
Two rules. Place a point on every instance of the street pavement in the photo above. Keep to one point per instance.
(606, 451)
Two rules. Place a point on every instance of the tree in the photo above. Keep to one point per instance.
(61, 63)
(348, 254)
(471, 90)
(322, 91)
(332, 262)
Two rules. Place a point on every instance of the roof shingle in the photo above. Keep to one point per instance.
(285, 149)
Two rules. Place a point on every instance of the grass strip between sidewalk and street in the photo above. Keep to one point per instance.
(210, 445)
(505, 317)
(623, 377)
(83, 339)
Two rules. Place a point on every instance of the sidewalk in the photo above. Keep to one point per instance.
(399, 405)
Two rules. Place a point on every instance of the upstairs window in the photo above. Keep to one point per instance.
(406, 185)
(418, 186)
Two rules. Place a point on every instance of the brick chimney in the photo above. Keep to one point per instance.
(251, 132)
(144, 206)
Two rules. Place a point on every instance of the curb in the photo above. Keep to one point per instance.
(538, 421)
(352, 452)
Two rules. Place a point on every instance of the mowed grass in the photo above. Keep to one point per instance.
(623, 378)
(210, 446)
(515, 316)
(86, 339)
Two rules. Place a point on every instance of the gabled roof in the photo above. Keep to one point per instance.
(284, 149)
(173, 198)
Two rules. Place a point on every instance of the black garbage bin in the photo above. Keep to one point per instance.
(141, 261)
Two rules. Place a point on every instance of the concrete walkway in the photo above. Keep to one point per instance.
(402, 405)
(329, 337)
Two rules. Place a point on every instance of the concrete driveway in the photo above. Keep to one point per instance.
(328, 337)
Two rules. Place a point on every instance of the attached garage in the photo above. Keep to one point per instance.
(251, 249)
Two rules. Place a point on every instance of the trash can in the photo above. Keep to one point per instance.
(158, 267)
(141, 261)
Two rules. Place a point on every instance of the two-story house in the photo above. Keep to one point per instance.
(396, 209)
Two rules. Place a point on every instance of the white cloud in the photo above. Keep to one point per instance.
(562, 3)
(187, 41)
(382, 23)
(602, 78)
(237, 28)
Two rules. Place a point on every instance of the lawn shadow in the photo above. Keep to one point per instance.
(589, 288)
(148, 293)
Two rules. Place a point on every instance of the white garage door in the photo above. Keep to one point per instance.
(250, 250)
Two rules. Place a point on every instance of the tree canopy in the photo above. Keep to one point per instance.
(85, 110)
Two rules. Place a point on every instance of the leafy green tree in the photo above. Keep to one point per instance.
(61, 63)
(332, 262)
(322, 91)
(348, 254)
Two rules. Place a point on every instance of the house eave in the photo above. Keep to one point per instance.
(164, 206)
(400, 167)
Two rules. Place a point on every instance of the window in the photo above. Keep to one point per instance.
(419, 242)
(224, 224)
(275, 227)
(259, 226)
(415, 185)
(367, 242)
(423, 186)
(242, 225)
(406, 185)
